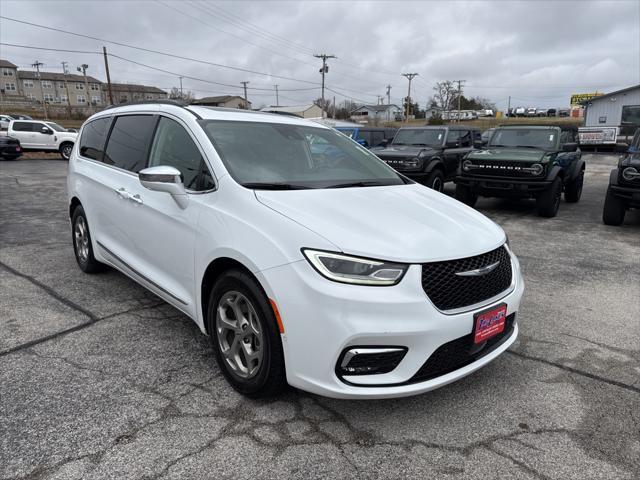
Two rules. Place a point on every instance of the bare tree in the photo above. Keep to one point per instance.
(186, 97)
(445, 93)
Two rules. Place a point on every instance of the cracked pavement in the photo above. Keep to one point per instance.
(100, 379)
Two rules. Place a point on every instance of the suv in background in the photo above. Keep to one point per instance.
(624, 185)
(40, 136)
(369, 137)
(525, 161)
(430, 155)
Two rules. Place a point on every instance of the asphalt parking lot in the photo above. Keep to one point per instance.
(101, 379)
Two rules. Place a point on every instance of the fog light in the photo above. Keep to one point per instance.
(369, 360)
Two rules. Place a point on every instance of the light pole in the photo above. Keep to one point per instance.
(83, 68)
(410, 76)
(37, 66)
(324, 70)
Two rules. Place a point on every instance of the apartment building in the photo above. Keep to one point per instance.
(131, 92)
(59, 88)
(9, 84)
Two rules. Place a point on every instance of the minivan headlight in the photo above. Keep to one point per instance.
(355, 270)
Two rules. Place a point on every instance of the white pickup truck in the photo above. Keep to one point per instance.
(42, 136)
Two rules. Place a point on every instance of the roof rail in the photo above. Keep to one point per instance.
(561, 126)
(167, 101)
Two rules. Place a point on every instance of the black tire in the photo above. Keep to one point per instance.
(269, 378)
(548, 202)
(614, 209)
(65, 150)
(435, 180)
(86, 261)
(466, 195)
(573, 190)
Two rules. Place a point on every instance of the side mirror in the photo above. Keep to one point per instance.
(384, 143)
(569, 147)
(165, 179)
(622, 147)
(46, 131)
(479, 143)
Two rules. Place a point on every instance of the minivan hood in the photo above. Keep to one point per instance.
(403, 223)
(510, 154)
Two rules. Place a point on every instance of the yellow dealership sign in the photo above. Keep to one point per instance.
(578, 98)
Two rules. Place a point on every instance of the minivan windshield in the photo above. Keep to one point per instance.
(420, 137)
(286, 157)
(541, 138)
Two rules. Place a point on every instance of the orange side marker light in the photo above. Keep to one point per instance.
(277, 314)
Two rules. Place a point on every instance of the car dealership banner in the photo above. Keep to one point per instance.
(578, 98)
(598, 135)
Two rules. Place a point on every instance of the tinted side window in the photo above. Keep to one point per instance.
(93, 136)
(129, 140)
(23, 126)
(465, 138)
(173, 146)
(566, 136)
(453, 137)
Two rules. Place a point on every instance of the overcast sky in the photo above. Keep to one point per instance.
(539, 52)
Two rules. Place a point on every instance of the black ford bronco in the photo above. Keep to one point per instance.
(624, 185)
(429, 155)
(524, 161)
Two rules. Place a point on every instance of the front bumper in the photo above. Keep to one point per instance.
(322, 318)
(13, 151)
(628, 193)
(503, 186)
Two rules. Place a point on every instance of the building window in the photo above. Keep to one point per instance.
(63, 98)
(95, 100)
(10, 87)
(149, 96)
(28, 83)
(95, 86)
(79, 86)
(602, 119)
(81, 99)
(30, 96)
(7, 72)
(47, 84)
(48, 97)
(60, 85)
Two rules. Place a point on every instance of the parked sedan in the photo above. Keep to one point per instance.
(10, 148)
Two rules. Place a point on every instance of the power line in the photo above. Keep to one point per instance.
(49, 49)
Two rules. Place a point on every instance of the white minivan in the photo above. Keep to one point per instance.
(306, 259)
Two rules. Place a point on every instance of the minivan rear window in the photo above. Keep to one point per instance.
(93, 136)
(129, 141)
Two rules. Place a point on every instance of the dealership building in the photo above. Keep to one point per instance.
(620, 109)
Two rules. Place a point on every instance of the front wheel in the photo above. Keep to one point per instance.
(245, 336)
(614, 209)
(548, 202)
(466, 195)
(435, 180)
(65, 150)
(82, 246)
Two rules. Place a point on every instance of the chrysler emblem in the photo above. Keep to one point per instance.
(479, 271)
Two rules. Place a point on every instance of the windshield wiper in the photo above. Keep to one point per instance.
(273, 186)
(368, 183)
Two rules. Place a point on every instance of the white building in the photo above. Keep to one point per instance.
(372, 113)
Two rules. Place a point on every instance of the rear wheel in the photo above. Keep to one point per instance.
(573, 190)
(82, 243)
(614, 209)
(245, 336)
(65, 150)
(548, 202)
(435, 180)
(466, 195)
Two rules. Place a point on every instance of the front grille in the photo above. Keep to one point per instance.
(448, 291)
(461, 352)
(502, 169)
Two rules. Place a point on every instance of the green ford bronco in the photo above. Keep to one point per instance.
(525, 161)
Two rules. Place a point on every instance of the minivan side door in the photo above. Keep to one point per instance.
(163, 232)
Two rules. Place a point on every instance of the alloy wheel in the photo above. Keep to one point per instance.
(240, 335)
(81, 239)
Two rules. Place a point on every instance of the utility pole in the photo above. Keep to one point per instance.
(182, 94)
(324, 70)
(65, 72)
(333, 112)
(388, 102)
(83, 68)
(460, 82)
(277, 99)
(410, 76)
(509, 107)
(37, 66)
(106, 67)
(246, 102)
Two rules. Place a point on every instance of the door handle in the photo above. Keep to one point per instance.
(136, 198)
(122, 193)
